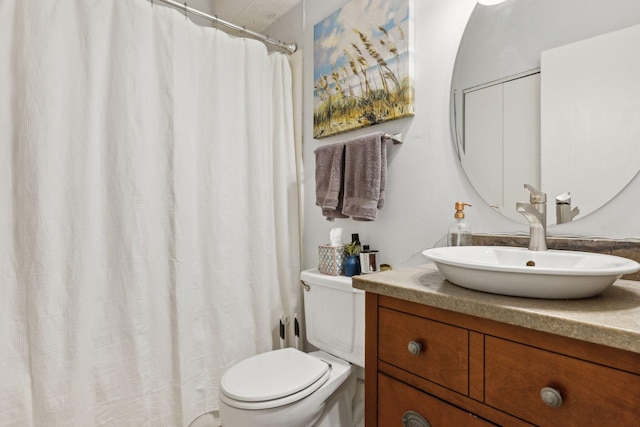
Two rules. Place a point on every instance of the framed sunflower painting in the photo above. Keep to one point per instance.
(363, 66)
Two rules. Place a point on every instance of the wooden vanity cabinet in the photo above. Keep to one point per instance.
(440, 368)
(441, 352)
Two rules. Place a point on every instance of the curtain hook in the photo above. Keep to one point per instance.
(185, 10)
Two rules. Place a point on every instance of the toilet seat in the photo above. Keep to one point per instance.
(273, 379)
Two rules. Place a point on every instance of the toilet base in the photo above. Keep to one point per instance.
(338, 411)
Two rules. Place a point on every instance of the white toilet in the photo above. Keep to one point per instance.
(289, 388)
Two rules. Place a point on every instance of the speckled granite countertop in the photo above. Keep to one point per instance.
(611, 318)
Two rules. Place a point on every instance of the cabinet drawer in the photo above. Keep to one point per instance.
(444, 354)
(395, 399)
(591, 394)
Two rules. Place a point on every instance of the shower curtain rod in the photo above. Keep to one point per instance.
(289, 47)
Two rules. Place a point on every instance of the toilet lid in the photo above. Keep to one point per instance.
(273, 375)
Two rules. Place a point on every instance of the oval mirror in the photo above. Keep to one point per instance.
(545, 92)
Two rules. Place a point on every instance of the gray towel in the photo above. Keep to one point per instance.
(365, 176)
(332, 214)
(330, 179)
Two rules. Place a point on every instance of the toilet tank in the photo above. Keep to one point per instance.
(334, 315)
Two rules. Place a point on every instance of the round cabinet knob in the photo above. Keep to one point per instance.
(414, 347)
(414, 419)
(551, 397)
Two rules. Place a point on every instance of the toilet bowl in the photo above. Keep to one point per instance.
(304, 407)
(290, 388)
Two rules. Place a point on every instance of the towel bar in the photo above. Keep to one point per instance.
(396, 138)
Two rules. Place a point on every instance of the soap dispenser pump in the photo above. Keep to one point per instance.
(459, 231)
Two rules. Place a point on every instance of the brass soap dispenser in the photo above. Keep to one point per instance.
(459, 231)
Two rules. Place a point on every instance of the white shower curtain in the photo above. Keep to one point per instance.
(148, 212)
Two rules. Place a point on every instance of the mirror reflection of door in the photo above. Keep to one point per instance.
(502, 140)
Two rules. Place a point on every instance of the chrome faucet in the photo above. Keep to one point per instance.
(564, 211)
(536, 213)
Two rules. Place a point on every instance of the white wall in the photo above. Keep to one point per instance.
(424, 175)
(289, 27)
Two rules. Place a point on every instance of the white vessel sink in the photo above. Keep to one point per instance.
(520, 272)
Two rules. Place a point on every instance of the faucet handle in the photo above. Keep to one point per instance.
(536, 196)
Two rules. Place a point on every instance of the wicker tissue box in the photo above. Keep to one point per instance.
(331, 259)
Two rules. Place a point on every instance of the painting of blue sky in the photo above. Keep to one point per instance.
(363, 66)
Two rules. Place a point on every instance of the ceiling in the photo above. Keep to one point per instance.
(255, 15)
